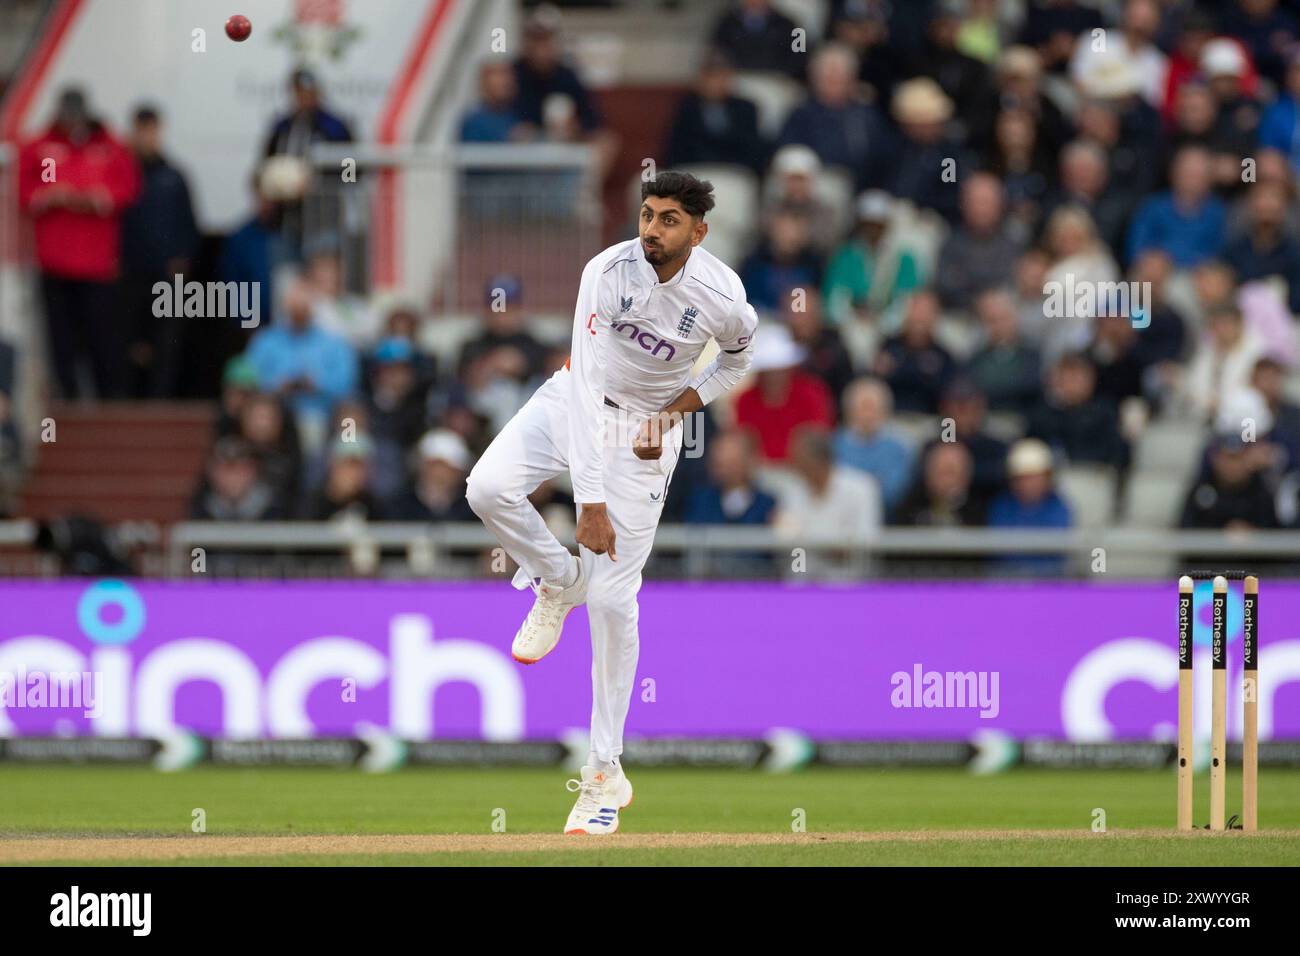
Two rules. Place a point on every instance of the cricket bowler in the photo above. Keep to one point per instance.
(612, 416)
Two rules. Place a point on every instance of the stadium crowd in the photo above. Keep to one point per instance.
(945, 167)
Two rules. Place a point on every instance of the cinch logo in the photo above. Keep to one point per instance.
(647, 340)
(141, 690)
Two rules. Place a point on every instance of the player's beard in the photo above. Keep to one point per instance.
(659, 255)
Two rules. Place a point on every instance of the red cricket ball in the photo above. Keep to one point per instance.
(238, 28)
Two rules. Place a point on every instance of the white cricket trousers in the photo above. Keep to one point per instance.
(533, 447)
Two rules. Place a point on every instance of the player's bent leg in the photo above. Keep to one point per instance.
(529, 450)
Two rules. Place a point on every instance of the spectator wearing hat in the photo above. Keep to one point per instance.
(233, 489)
(1134, 43)
(713, 124)
(757, 37)
(76, 219)
(442, 462)
(308, 366)
(1234, 496)
(1187, 222)
(494, 119)
(916, 367)
(793, 188)
(395, 408)
(785, 259)
(829, 507)
(867, 442)
(874, 268)
(963, 79)
(1185, 59)
(345, 492)
(238, 382)
(944, 495)
(160, 239)
(930, 161)
(842, 130)
(334, 309)
(1225, 65)
(1030, 502)
(1279, 127)
(1076, 422)
(1004, 368)
(980, 253)
(783, 395)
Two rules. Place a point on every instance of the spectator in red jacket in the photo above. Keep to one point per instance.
(74, 181)
(783, 396)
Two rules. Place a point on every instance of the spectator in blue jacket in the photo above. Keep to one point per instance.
(868, 443)
(494, 119)
(311, 368)
(732, 498)
(1031, 502)
(1188, 221)
(841, 129)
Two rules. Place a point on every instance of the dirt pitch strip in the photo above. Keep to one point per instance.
(135, 849)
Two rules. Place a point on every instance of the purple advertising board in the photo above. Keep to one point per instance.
(1074, 661)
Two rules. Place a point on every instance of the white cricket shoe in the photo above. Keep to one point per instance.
(600, 797)
(541, 629)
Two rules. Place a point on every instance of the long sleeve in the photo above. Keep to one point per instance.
(587, 384)
(735, 354)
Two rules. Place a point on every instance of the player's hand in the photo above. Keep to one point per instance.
(648, 443)
(595, 533)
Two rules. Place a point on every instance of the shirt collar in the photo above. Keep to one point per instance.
(652, 277)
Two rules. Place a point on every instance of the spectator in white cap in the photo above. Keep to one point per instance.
(792, 187)
(441, 462)
(874, 268)
(1031, 501)
(929, 152)
(1227, 68)
(783, 396)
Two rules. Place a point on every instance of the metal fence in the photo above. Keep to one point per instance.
(402, 551)
(439, 222)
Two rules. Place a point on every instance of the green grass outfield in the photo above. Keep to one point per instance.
(70, 815)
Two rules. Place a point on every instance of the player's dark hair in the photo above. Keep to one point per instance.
(695, 195)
